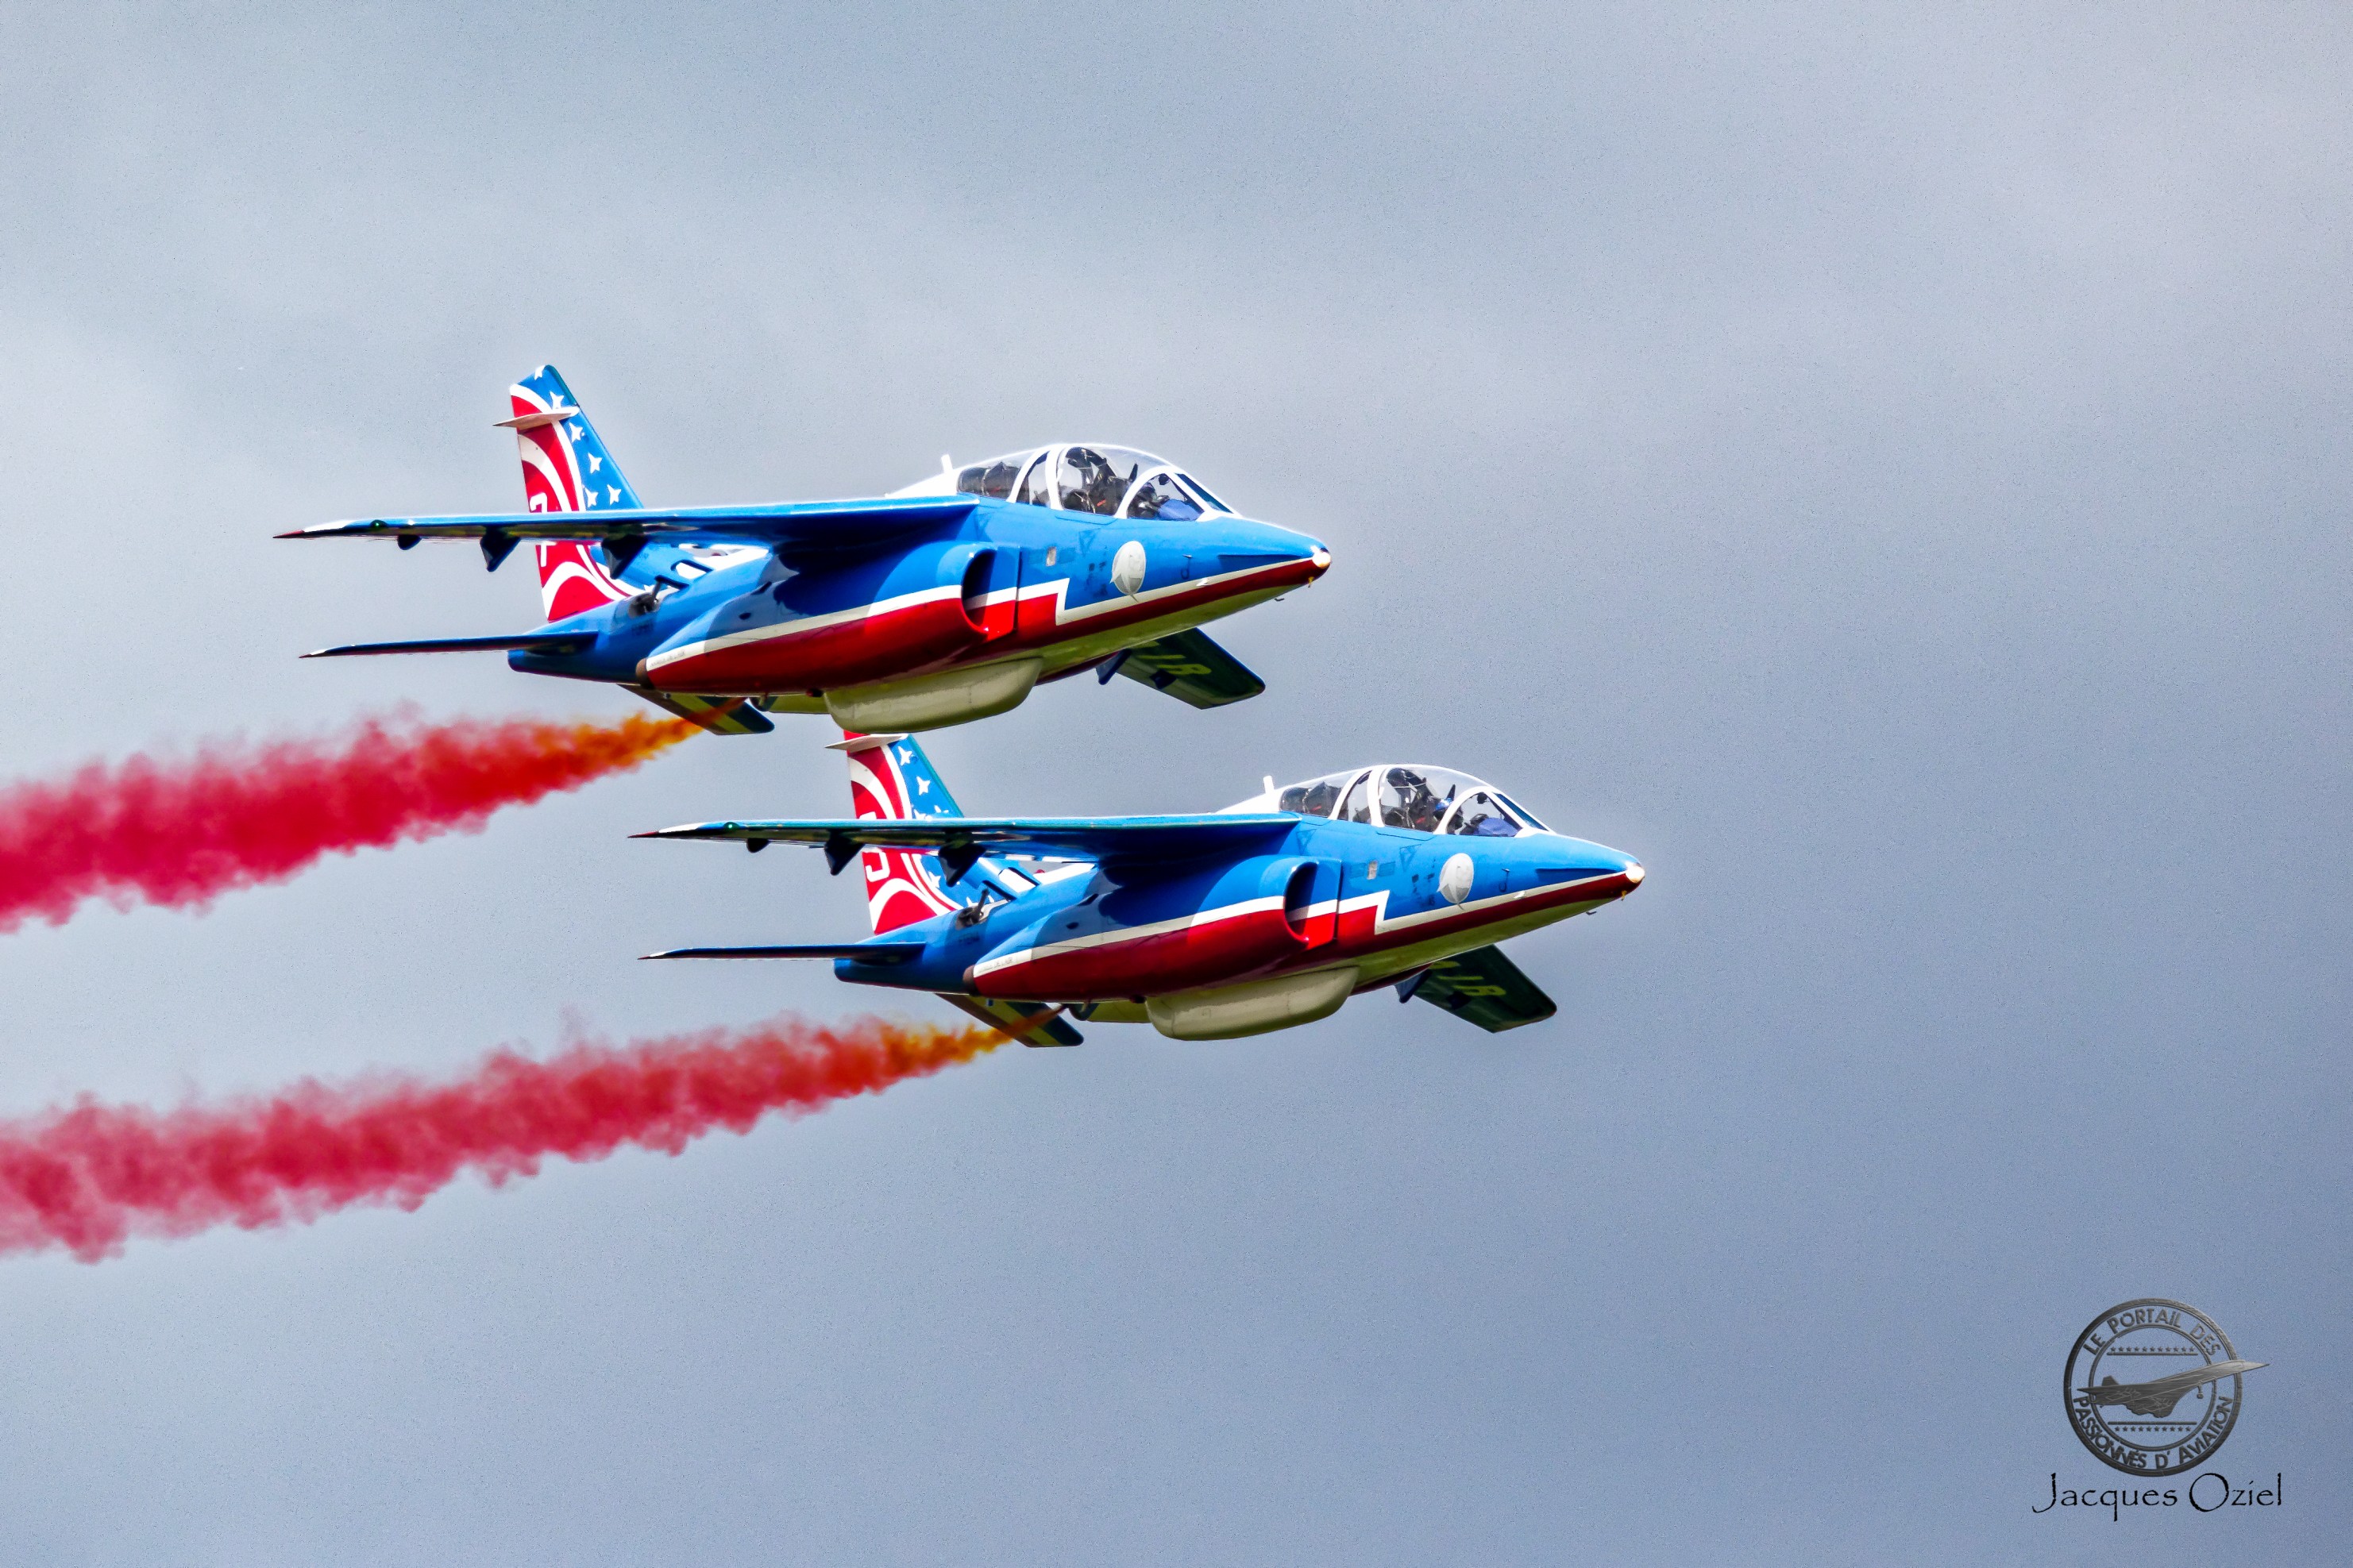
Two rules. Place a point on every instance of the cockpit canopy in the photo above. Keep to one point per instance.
(1411, 795)
(1110, 481)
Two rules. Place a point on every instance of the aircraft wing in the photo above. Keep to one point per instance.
(1485, 988)
(808, 525)
(864, 952)
(1109, 840)
(720, 715)
(538, 642)
(1029, 1023)
(1191, 669)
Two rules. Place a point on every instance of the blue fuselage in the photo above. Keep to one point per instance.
(1007, 581)
(1378, 900)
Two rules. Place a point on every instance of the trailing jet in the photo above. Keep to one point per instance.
(1267, 914)
(944, 601)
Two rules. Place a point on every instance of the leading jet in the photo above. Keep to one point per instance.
(944, 601)
(1268, 914)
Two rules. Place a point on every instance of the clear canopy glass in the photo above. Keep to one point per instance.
(1411, 795)
(996, 477)
(1110, 481)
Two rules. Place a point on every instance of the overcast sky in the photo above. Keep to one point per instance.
(1887, 472)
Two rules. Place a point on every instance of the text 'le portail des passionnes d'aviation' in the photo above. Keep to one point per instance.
(1269, 913)
(944, 601)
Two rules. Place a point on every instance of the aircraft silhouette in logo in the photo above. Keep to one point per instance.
(2156, 1397)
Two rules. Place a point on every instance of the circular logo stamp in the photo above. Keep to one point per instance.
(2153, 1386)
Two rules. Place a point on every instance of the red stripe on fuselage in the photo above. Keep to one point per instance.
(933, 632)
(1214, 951)
(1211, 949)
(900, 640)
(1046, 619)
(1363, 932)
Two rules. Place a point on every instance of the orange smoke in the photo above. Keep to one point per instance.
(181, 833)
(88, 1177)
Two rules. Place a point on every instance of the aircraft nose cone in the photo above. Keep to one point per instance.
(1321, 560)
(1634, 874)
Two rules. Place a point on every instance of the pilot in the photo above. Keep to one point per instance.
(1098, 488)
(1162, 499)
(1418, 808)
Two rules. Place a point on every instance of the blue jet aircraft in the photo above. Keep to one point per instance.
(944, 602)
(1267, 914)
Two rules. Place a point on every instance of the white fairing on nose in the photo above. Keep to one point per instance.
(1454, 878)
(1127, 568)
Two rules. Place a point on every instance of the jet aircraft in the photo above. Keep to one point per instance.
(1267, 914)
(944, 601)
(2158, 1395)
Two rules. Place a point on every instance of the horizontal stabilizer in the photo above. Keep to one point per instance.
(864, 952)
(537, 642)
(1192, 668)
(813, 525)
(1031, 1023)
(537, 418)
(720, 715)
(1483, 987)
(1114, 840)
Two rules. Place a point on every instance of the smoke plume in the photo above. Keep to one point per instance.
(88, 1177)
(181, 833)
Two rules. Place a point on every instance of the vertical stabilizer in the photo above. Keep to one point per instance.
(566, 468)
(893, 780)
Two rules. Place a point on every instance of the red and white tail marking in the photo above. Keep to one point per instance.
(571, 578)
(901, 887)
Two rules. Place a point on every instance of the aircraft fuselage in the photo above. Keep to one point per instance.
(1009, 583)
(1365, 898)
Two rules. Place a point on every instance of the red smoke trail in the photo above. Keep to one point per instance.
(87, 1178)
(182, 833)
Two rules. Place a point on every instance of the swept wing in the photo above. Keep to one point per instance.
(1483, 987)
(837, 525)
(864, 952)
(1112, 840)
(537, 642)
(1192, 668)
(1024, 1021)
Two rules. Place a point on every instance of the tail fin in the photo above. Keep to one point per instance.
(566, 468)
(891, 779)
